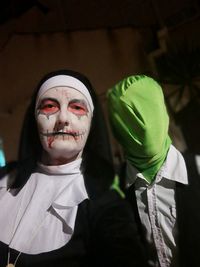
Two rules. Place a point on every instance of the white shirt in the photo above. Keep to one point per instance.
(41, 216)
(157, 207)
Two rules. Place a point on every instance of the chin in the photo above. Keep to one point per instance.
(63, 153)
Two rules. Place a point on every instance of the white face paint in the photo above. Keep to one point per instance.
(63, 118)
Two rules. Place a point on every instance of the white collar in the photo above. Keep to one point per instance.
(67, 176)
(56, 190)
(68, 181)
(174, 169)
(69, 168)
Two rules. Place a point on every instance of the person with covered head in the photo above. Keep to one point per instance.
(56, 199)
(154, 175)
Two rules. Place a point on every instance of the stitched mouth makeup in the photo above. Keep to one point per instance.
(74, 134)
(62, 133)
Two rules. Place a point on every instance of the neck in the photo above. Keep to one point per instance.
(49, 160)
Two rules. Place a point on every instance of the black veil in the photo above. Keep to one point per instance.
(97, 164)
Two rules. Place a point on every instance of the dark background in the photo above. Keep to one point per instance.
(155, 37)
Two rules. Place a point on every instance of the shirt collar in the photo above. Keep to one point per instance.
(173, 169)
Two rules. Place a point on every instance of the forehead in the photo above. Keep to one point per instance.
(61, 92)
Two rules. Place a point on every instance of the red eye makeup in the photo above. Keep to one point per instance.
(48, 106)
(78, 107)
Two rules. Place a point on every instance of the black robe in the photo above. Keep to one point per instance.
(105, 235)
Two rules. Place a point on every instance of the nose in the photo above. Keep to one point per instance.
(62, 119)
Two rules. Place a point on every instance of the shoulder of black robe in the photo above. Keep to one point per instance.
(115, 241)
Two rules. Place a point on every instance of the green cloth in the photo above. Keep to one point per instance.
(140, 122)
(115, 186)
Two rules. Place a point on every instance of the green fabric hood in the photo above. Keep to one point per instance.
(140, 122)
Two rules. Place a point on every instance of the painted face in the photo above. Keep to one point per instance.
(63, 118)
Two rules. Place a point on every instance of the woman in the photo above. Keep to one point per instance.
(64, 160)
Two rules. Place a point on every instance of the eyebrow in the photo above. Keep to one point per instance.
(80, 101)
(46, 99)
